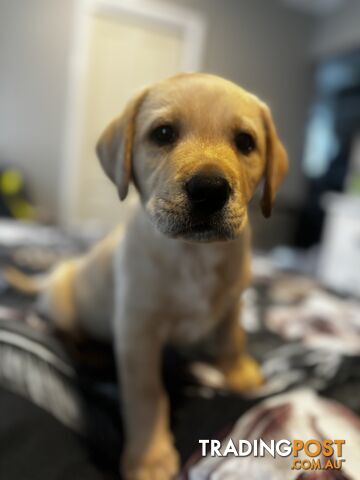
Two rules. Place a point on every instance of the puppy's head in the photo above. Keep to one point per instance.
(196, 146)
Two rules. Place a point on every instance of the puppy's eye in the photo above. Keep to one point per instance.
(245, 142)
(164, 135)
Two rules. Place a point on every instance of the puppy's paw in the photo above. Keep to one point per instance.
(160, 463)
(244, 375)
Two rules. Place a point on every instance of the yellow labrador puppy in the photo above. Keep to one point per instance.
(196, 147)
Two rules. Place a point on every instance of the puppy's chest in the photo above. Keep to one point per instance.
(197, 295)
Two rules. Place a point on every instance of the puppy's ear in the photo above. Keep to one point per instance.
(276, 165)
(115, 145)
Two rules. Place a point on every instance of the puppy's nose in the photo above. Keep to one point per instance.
(208, 192)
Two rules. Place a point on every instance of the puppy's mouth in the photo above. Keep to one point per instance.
(180, 222)
(211, 231)
(206, 232)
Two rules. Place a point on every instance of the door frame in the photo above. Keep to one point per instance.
(189, 23)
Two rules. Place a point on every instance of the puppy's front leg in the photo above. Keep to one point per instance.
(149, 452)
(225, 347)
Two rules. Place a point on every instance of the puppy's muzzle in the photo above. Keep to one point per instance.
(207, 192)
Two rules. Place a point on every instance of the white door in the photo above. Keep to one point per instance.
(121, 52)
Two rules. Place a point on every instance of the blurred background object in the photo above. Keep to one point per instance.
(68, 68)
(14, 197)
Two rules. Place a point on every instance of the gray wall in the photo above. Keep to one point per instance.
(337, 32)
(34, 51)
(258, 43)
